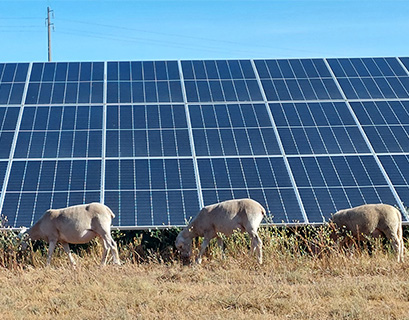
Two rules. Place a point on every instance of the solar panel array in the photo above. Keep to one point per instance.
(157, 140)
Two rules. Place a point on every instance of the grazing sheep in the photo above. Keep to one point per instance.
(223, 217)
(76, 224)
(376, 220)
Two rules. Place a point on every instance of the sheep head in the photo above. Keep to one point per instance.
(184, 245)
(24, 237)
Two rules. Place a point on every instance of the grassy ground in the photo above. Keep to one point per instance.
(291, 284)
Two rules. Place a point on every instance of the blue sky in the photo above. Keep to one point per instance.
(168, 30)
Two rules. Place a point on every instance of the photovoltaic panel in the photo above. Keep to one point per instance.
(151, 191)
(317, 128)
(329, 183)
(386, 124)
(307, 79)
(263, 179)
(147, 130)
(397, 167)
(74, 82)
(3, 167)
(371, 78)
(60, 132)
(157, 140)
(234, 129)
(132, 82)
(8, 122)
(12, 79)
(37, 185)
(405, 62)
(220, 81)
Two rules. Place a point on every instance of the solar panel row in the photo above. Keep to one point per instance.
(156, 140)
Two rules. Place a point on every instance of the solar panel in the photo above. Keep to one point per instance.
(157, 140)
(317, 128)
(233, 129)
(371, 78)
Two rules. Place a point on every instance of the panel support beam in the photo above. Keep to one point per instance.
(191, 140)
(104, 134)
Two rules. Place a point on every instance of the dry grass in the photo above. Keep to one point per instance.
(289, 285)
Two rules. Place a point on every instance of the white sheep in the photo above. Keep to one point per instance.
(76, 224)
(223, 217)
(376, 220)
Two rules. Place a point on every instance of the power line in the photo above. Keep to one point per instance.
(21, 18)
(228, 42)
(151, 41)
(20, 26)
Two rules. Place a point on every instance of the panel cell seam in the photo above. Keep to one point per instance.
(208, 102)
(368, 143)
(280, 145)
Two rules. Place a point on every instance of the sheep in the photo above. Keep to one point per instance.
(223, 217)
(75, 224)
(376, 220)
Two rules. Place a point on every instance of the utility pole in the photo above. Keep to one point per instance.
(49, 24)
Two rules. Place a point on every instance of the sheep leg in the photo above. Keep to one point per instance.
(256, 246)
(51, 247)
(109, 245)
(220, 243)
(105, 252)
(401, 244)
(205, 243)
(397, 247)
(400, 252)
(396, 243)
(67, 250)
(114, 250)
